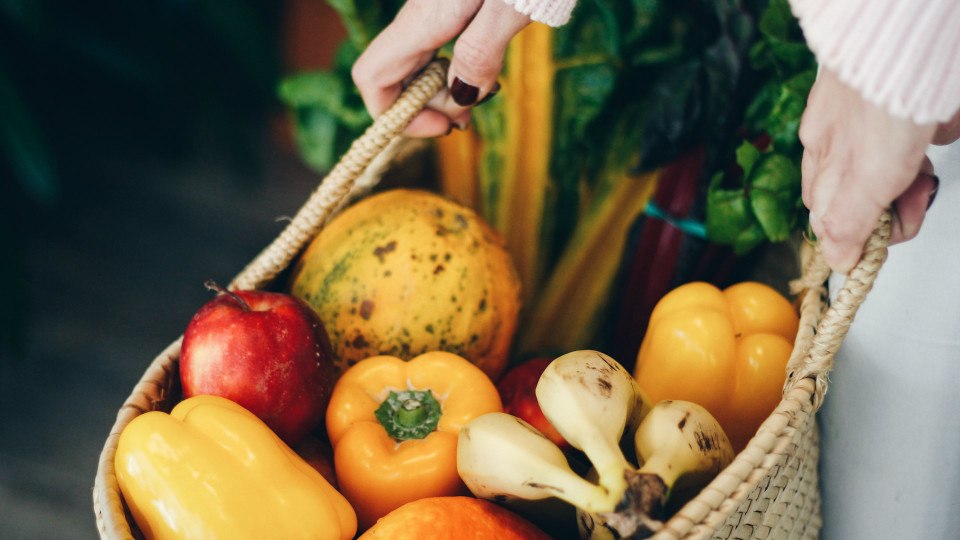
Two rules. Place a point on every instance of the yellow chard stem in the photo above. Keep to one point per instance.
(566, 315)
(457, 158)
(528, 91)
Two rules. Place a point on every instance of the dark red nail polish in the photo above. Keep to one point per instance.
(490, 95)
(933, 192)
(462, 93)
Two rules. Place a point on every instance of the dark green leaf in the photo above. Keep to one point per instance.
(777, 21)
(747, 156)
(730, 220)
(782, 44)
(364, 19)
(783, 121)
(671, 109)
(328, 115)
(774, 195)
(757, 114)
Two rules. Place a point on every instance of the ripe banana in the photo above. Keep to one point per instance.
(501, 457)
(680, 446)
(591, 399)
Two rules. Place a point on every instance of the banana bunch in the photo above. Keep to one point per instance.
(680, 447)
(591, 400)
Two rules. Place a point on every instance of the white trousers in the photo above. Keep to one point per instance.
(890, 425)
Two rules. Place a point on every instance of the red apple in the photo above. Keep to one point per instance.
(266, 351)
(518, 393)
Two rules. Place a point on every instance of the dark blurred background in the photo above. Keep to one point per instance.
(142, 151)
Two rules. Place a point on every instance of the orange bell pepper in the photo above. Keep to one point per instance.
(724, 350)
(212, 469)
(394, 428)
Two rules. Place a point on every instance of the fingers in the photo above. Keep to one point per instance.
(478, 59)
(403, 48)
(843, 222)
(858, 160)
(948, 131)
(479, 51)
(911, 207)
(410, 42)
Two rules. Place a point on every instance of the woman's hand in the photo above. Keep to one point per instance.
(858, 160)
(484, 27)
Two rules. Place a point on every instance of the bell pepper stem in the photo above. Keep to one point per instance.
(409, 414)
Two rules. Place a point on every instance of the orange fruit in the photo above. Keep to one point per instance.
(453, 518)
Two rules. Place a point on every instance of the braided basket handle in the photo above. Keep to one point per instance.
(369, 154)
(816, 361)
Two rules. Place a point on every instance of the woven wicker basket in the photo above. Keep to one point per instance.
(769, 491)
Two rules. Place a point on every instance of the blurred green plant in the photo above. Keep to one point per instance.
(82, 83)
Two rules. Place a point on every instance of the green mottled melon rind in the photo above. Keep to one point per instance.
(406, 272)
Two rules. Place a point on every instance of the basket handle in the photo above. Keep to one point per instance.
(373, 150)
(816, 361)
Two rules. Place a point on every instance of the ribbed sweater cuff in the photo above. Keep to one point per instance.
(903, 55)
(550, 12)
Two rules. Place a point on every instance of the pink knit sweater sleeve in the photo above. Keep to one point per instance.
(903, 55)
(551, 12)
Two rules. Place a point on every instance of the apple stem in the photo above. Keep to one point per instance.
(214, 286)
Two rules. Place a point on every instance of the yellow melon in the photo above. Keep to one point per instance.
(405, 272)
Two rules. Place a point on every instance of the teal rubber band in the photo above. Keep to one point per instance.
(689, 226)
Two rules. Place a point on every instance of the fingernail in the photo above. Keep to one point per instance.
(489, 96)
(462, 93)
(933, 192)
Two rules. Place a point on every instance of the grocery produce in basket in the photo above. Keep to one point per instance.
(394, 428)
(212, 469)
(592, 401)
(266, 351)
(725, 350)
(680, 448)
(405, 272)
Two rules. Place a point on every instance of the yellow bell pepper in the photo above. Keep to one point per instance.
(724, 350)
(394, 427)
(211, 469)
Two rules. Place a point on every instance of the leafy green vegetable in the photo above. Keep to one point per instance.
(775, 195)
(365, 18)
(766, 199)
(328, 111)
(782, 44)
(636, 83)
(730, 219)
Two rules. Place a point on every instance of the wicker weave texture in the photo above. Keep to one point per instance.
(769, 491)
